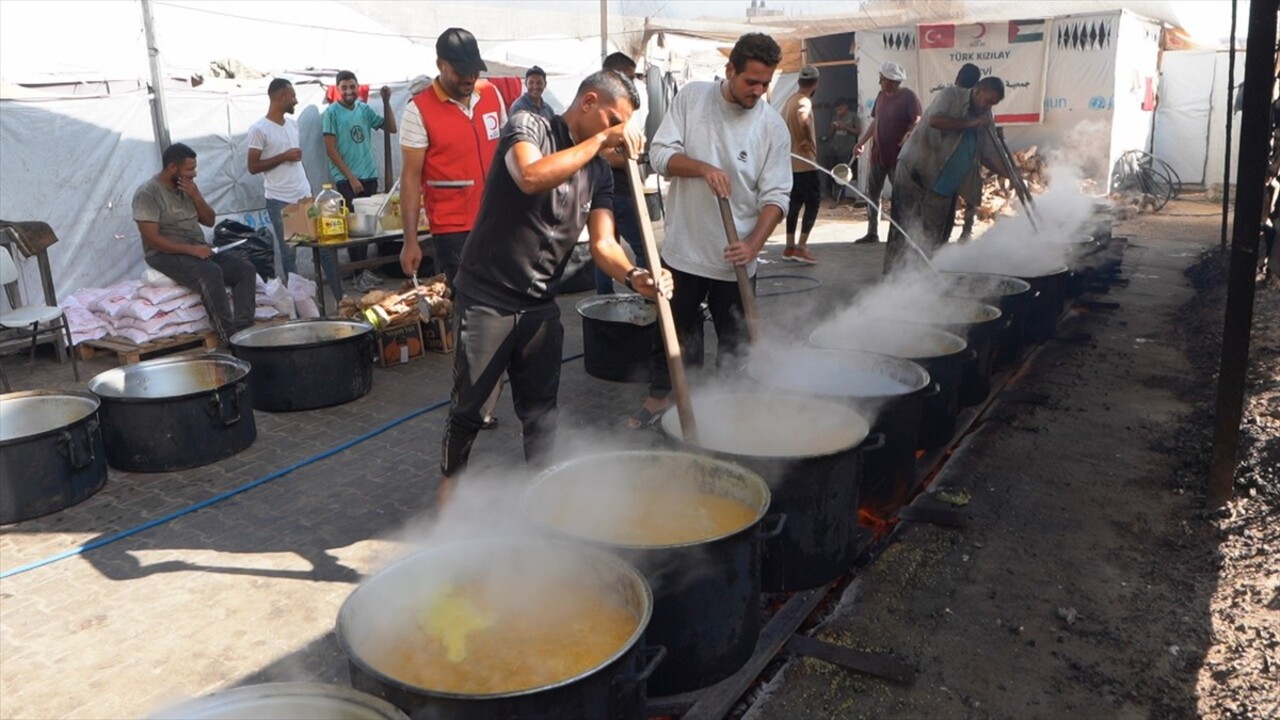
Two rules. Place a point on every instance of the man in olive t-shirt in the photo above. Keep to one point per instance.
(169, 210)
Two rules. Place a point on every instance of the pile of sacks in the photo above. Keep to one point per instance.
(156, 307)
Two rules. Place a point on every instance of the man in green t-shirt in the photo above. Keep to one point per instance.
(348, 127)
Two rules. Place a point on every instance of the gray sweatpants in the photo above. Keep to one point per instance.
(925, 214)
(526, 345)
(210, 278)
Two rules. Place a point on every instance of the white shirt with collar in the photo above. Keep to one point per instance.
(414, 135)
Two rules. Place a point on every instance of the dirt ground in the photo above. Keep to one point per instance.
(1090, 581)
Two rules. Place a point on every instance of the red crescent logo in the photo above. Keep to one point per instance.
(982, 31)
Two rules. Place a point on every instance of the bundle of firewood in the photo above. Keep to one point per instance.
(429, 300)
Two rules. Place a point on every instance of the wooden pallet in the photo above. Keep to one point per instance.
(128, 352)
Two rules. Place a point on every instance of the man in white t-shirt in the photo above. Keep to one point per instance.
(275, 151)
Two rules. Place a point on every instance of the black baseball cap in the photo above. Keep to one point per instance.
(458, 47)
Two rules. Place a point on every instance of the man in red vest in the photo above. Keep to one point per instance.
(448, 136)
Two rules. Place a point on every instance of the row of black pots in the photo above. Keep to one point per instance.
(171, 413)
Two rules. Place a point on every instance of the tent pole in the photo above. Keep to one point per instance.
(1255, 129)
(159, 118)
(604, 29)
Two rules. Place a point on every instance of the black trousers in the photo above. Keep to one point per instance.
(806, 192)
(527, 345)
(357, 252)
(725, 303)
(449, 253)
(210, 278)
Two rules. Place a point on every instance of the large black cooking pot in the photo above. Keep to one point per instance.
(391, 604)
(284, 700)
(1012, 295)
(889, 389)
(306, 364)
(175, 413)
(51, 452)
(941, 353)
(1078, 249)
(617, 334)
(809, 451)
(978, 323)
(1047, 280)
(706, 591)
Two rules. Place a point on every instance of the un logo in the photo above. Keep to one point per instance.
(1097, 102)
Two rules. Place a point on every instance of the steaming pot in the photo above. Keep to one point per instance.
(978, 323)
(175, 413)
(809, 451)
(51, 452)
(392, 601)
(1048, 288)
(937, 351)
(1012, 295)
(706, 607)
(889, 389)
(306, 364)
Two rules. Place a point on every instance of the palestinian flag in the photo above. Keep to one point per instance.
(1021, 31)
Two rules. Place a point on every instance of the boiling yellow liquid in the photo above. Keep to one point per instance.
(476, 639)
(657, 516)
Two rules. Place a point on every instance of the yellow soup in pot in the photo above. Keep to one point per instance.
(473, 638)
(654, 516)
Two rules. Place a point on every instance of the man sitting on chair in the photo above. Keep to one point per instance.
(169, 210)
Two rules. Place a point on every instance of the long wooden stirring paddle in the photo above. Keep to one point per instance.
(749, 312)
(675, 364)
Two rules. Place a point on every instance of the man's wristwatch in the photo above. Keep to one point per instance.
(626, 280)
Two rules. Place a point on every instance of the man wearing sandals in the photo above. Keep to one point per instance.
(719, 140)
(546, 183)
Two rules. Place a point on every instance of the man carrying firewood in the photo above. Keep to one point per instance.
(546, 184)
(953, 135)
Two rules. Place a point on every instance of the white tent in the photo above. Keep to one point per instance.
(1098, 87)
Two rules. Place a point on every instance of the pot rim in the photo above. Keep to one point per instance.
(927, 328)
(29, 394)
(837, 352)
(362, 329)
(545, 477)
(217, 358)
(673, 412)
(598, 555)
(1000, 278)
(976, 304)
(589, 302)
(236, 695)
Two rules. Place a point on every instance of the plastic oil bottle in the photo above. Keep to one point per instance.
(331, 221)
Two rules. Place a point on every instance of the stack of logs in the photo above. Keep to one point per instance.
(428, 300)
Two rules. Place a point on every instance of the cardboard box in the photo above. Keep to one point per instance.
(437, 335)
(399, 344)
(298, 221)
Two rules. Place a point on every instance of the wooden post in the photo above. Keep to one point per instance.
(1255, 127)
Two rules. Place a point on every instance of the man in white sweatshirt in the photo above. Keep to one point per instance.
(719, 139)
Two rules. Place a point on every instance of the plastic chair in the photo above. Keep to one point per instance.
(30, 316)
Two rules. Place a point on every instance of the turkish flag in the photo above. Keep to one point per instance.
(937, 36)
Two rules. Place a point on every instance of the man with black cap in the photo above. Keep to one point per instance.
(893, 117)
(448, 135)
(806, 192)
(535, 82)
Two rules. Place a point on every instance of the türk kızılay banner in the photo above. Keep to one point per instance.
(1014, 51)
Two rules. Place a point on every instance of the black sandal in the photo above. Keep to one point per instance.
(643, 418)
